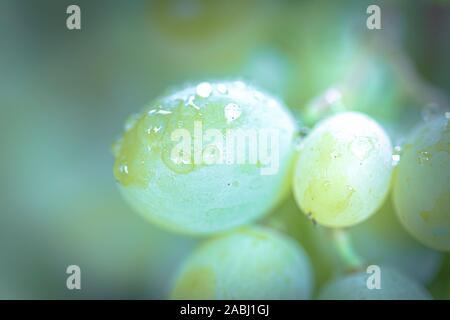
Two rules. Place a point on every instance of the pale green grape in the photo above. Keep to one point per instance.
(343, 171)
(394, 286)
(382, 239)
(206, 187)
(315, 239)
(251, 263)
(422, 184)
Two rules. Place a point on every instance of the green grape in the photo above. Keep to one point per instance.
(382, 239)
(315, 239)
(343, 171)
(394, 286)
(199, 190)
(251, 263)
(422, 184)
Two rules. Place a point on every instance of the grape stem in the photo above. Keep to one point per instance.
(346, 251)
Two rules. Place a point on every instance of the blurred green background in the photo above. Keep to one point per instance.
(64, 96)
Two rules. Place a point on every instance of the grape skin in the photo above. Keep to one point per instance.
(251, 263)
(394, 286)
(202, 199)
(382, 239)
(422, 184)
(343, 171)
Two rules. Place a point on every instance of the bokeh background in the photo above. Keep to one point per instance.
(64, 96)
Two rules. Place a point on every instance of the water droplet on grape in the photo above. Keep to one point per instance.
(179, 163)
(272, 103)
(191, 103)
(424, 157)
(163, 112)
(204, 89)
(232, 112)
(396, 155)
(395, 159)
(361, 147)
(332, 95)
(123, 168)
(222, 88)
(240, 84)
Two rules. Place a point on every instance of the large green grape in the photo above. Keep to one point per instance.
(344, 170)
(393, 286)
(211, 185)
(422, 184)
(251, 263)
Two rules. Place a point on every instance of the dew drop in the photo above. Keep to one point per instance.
(396, 155)
(163, 112)
(272, 103)
(361, 147)
(395, 159)
(192, 104)
(424, 157)
(332, 95)
(123, 168)
(204, 89)
(232, 112)
(222, 88)
(240, 84)
(179, 162)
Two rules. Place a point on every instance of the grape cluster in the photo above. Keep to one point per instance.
(340, 174)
